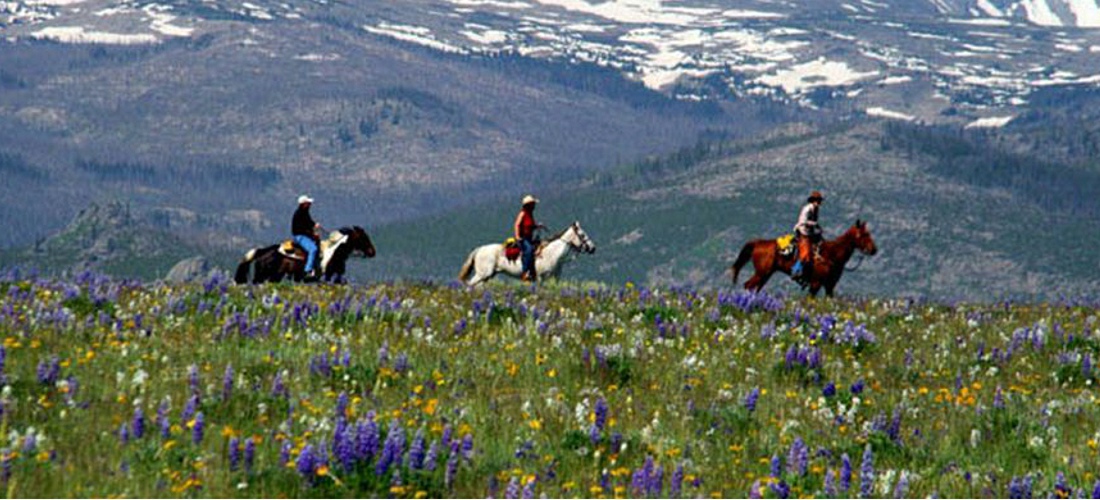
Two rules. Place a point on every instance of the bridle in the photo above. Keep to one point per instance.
(585, 243)
(862, 255)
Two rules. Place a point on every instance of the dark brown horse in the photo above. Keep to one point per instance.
(272, 264)
(828, 263)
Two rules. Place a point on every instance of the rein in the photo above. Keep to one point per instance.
(858, 263)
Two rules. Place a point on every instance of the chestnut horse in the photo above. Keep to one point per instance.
(828, 265)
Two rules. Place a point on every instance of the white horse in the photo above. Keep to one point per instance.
(488, 260)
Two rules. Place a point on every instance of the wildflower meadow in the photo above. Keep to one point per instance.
(406, 390)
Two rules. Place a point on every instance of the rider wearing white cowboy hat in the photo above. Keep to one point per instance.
(524, 229)
(305, 229)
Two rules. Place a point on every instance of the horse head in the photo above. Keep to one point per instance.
(862, 237)
(360, 242)
(580, 240)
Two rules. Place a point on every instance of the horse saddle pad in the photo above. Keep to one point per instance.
(512, 249)
(786, 244)
(289, 249)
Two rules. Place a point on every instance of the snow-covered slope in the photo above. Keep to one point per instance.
(926, 59)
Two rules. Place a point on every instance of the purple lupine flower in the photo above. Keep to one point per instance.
(384, 354)
(249, 454)
(512, 491)
(189, 409)
(999, 399)
(306, 462)
(528, 490)
(798, 458)
(366, 438)
(1061, 489)
(448, 433)
(196, 432)
(780, 489)
(162, 420)
(894, 430)
(754, 492)
(655, 482)
(193, 379)
(138, 423)
(845, 473)
(601, 413)
(430, 461)
(616, 441)
(284, 453)
(1086, 366)
(594, 434)
(234, 453)
(751, 399)
(829, 390)
(638, 483)
(468, 447)
(416, 451)
(392, 450)
(123, 434)
(677, 482)
(277, 386)
(867, 473)
(343, 446)
(227, 382)
(902, 488)
(776, 466)
(401, 365)
(452, 468)
(342, 404)
(1015, 488)
(830, 483)
(605, 481)
(857, 387)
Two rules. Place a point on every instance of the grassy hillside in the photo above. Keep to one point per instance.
(411, 391)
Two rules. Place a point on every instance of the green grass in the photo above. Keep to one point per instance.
(521, 373)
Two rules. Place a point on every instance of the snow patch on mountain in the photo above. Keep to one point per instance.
(991, 122)
(1086, 12)
(77, 34)
(801, 78)
(880, 112)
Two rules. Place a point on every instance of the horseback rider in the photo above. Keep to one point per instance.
(808, 233)
(306, 235)
(524, 229)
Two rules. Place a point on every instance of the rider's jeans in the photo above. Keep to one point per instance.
(528, 248)
(310, 247)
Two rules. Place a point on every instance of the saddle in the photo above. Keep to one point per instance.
(291, 250)
(786, 245)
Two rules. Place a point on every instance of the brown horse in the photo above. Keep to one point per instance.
(828, 263)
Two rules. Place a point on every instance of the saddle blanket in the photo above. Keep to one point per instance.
(512, 249)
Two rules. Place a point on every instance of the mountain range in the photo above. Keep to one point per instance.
(671, 128)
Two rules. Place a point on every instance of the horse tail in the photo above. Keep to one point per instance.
(742, 259)
(468, 267)
(241, 277)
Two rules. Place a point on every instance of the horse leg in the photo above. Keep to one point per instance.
(757, 282)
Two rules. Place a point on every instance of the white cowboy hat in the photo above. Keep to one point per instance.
(529, 199)
(304, 199)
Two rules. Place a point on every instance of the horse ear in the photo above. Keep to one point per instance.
(859, 223)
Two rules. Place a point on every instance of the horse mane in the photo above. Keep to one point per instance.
(559, 234)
